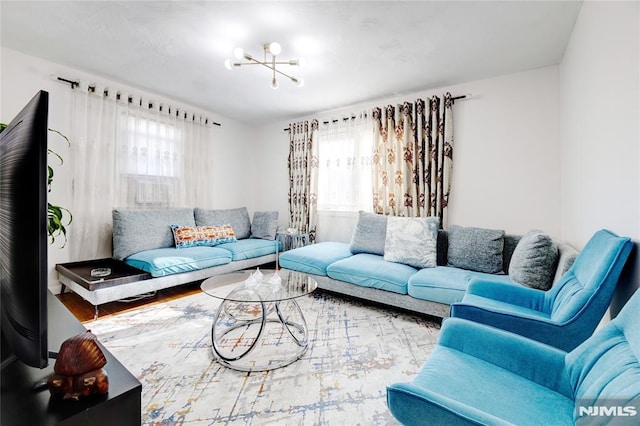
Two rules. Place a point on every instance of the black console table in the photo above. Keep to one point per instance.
(21, 405)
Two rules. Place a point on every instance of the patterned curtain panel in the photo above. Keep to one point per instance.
(413, 159)
(303, 177)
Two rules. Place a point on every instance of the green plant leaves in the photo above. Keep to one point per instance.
(56, 223)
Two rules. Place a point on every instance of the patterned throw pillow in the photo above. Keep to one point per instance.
(412, 241)
(191, 236)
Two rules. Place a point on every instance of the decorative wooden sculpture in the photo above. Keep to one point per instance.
(78, 369)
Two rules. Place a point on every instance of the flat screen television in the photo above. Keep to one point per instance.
(23, 235)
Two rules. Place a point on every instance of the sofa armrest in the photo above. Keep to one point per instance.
(535, 361)
(508, 293)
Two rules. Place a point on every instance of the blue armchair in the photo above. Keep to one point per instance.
(563, 316)
(523, 381)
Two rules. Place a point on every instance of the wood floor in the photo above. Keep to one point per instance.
(84, 310)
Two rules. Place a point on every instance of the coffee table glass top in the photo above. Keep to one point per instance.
(251, 287)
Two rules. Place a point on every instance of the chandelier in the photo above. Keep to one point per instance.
(273, 49)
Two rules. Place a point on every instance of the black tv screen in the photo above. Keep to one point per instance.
(23, 234)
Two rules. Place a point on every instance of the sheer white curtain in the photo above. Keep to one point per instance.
(345, 149)
(166, 155)
(130, 152)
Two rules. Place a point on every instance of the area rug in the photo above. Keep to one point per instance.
(355, 351)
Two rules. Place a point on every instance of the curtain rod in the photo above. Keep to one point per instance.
(74, 84)
(453, 99)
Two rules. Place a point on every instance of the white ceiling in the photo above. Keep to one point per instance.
(356, 51)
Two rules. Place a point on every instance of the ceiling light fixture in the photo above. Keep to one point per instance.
(273, 49)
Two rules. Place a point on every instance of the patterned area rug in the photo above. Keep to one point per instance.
(355, 351)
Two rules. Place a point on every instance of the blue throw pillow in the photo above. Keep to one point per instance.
(369, 234)
(237, 218)
(140, 230)
(264, 225)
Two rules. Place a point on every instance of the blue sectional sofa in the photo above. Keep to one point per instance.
(144, 239)
(361, 268)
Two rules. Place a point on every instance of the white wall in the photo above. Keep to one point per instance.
(506, 155)
(22, 76)
(600, 121)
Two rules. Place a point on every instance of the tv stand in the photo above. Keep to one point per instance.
(22, 404)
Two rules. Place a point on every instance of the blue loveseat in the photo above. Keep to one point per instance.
(144, 239)
(525, 382)
(362, 268)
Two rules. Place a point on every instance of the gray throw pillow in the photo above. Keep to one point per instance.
(412, 241)
(533, 261)
(369, 234)
(237, 218)
(264, 225)
(475, 249)
(139, 230)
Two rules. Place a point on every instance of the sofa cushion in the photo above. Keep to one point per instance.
(139, 230)
(191, 236)
(533, 260)
(370, 270)
(168, 261)
(412, 241)
(476, 249)
(314, 258)
(250, 248)
(264, 225)
(456, 388)
(237, 218)
(369, 234)
(445, 284)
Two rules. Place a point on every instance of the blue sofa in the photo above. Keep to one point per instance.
(359, 268)
(525, 382)
(144, 239)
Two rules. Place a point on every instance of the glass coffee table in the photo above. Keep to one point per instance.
(259, 326)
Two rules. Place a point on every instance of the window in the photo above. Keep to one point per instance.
(153, 164)
(344, 166)
(153, 147)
